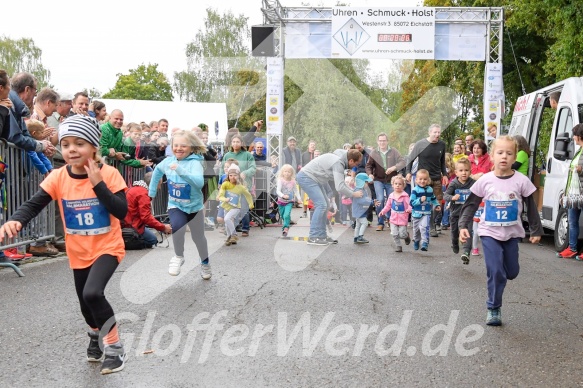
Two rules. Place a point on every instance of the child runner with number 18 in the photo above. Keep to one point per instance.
(92, 202)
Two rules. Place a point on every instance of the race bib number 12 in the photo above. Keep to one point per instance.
(501, 213)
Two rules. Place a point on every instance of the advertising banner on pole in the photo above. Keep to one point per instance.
(383, 33)
(274, 96)
(493, 99)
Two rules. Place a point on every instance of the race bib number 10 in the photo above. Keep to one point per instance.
(86, 217)
(179, 192)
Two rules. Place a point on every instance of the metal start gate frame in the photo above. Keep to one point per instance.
(278, 16)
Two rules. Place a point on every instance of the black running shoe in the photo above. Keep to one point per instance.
(113, 362)
(94, 352)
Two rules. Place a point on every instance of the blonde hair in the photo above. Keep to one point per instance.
(424, 172)
(501, 139)
(449, 162)
(398, 177)
(465, 162)
(234, 171)
(34, 126)
(134, 127)
(195, 143)
(286, 167)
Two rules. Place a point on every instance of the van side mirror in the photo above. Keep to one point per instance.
(563, 147)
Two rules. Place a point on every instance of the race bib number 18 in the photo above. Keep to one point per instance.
(86, 217)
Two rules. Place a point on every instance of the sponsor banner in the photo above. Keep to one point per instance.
(383, 33)
(493, 99)
(274, 100)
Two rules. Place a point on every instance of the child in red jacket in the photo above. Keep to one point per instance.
(139, 215)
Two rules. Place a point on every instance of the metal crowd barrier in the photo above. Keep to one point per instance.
(131, 174)
(20, 181)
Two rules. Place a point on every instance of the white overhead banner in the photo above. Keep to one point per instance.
(383, 33)
(180, 114)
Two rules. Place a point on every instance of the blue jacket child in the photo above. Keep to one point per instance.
(421, 209)
(360, 205)
(184, 183)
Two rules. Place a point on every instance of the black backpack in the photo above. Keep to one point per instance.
(132, 239)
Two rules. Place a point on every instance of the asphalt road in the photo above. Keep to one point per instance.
(281, 313)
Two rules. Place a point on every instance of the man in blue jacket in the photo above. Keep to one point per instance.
(24, 87)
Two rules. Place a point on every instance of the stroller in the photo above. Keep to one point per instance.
(266, 209)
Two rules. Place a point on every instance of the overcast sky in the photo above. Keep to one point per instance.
(85, 45)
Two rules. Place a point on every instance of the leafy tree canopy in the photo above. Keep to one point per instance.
(142, 83)
(23, 55)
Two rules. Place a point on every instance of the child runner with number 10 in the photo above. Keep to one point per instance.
(184, 172)
(503, 192)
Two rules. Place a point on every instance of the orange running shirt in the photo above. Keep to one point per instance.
(90, 231)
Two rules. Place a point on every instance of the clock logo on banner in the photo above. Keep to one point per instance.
(351, 36)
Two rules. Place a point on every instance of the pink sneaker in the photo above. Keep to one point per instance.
(475, 252)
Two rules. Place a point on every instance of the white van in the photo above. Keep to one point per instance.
(548, 131)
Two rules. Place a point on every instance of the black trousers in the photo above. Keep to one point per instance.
(455, 233)
(90, 285)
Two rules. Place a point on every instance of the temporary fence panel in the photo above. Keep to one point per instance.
(132, 174)
(19, 182)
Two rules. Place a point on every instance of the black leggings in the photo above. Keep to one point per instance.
(178, 221)
(90, 284)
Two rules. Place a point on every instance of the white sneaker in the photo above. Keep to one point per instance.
(175, 264)
(205, 271)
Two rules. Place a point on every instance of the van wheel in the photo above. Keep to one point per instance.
(561, 231)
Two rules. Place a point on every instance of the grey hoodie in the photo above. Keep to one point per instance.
(330, 167)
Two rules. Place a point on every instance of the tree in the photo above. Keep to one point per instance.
(558, 23)
(210, 71)
(94, 93)
(528, 37)
(22, 55)
(142, 83)
(337, 104)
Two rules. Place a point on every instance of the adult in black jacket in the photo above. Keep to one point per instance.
(158, 154)
(430, 155)
(309, 154)
(5, 105)
(292, 155)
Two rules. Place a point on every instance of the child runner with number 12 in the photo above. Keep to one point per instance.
(503, 192)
